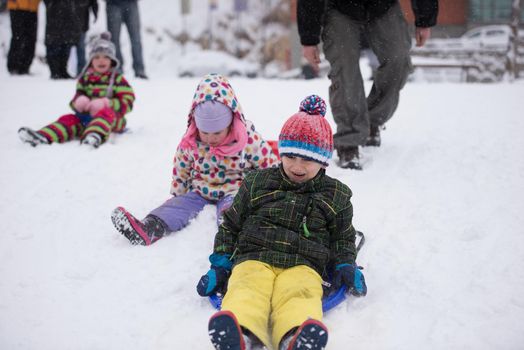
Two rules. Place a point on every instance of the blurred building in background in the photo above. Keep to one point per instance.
(459, 41)
(260, 37)
(458, 16)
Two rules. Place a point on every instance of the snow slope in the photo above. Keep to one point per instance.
(440, 202)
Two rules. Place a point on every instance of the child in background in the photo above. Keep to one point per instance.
(103, 98)
(218, 148)
(286, 229)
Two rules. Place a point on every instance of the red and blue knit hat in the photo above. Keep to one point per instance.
(307, 134)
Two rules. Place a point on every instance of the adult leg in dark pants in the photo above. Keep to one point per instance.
(355, 114)
(132, 21)
(127, 12)
(114, 24)
(341, 38)
(81, 54)
(23, 40)
(57, 57)
(390, 41)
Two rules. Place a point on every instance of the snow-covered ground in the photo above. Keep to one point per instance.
(440, 203)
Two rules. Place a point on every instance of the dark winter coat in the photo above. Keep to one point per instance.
(266, 222)
(63, 24)
(118, 2)
(309, 14)
(84, 6)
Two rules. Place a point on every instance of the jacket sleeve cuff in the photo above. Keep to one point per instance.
(221, 260)
(309, 40)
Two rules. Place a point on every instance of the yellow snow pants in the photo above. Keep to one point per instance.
(267, 299)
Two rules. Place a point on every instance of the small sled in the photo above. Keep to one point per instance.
(274, 147)
(328, 302)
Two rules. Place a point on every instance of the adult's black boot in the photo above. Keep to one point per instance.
(373, 139)
(348, 157)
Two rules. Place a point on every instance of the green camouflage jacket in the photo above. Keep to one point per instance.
(285, 224)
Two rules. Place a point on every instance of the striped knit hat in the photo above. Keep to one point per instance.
(102, 45)
(307, 134)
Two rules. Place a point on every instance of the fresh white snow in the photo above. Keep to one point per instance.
(440, 203)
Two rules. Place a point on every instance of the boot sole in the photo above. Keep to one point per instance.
(350, 165)
(90, 144)
(125, 224)
(372, 143)
(31, 137)
(374, 139)
(91, 140)
(224, 332)
(312, 335)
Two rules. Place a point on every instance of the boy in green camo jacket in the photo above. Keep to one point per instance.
(288, 228)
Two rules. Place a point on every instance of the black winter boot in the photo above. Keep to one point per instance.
(144, 232)
(225, 332)
(311, 334)
(348, 157)
(373, 139)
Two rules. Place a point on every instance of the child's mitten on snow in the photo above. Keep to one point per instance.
(351, 276)
(216, 278)
(97, 104)
(80, 104)
(213, 281)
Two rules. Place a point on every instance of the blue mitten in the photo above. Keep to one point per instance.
(217, 276)
(213, 281)
(351, 276)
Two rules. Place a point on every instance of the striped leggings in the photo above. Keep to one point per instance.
(70, 126)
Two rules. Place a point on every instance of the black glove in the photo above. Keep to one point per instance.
(349, 275)
(215, 279)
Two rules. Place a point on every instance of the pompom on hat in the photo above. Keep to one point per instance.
(307, 134)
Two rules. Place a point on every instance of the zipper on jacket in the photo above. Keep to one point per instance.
(307, 234)
(234, 253)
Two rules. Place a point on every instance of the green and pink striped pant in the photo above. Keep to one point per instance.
(69, 127)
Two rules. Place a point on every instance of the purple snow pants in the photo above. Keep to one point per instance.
(177, 211)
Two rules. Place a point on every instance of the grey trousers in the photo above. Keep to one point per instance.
(389, 39)
(127, 12)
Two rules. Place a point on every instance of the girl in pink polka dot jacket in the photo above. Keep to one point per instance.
(216, 151)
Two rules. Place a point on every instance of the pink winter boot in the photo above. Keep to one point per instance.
(138, 232)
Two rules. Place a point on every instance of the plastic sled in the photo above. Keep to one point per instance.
(274, 147)
(328, 302)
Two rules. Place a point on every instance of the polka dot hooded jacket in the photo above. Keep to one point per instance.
(214, 172)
